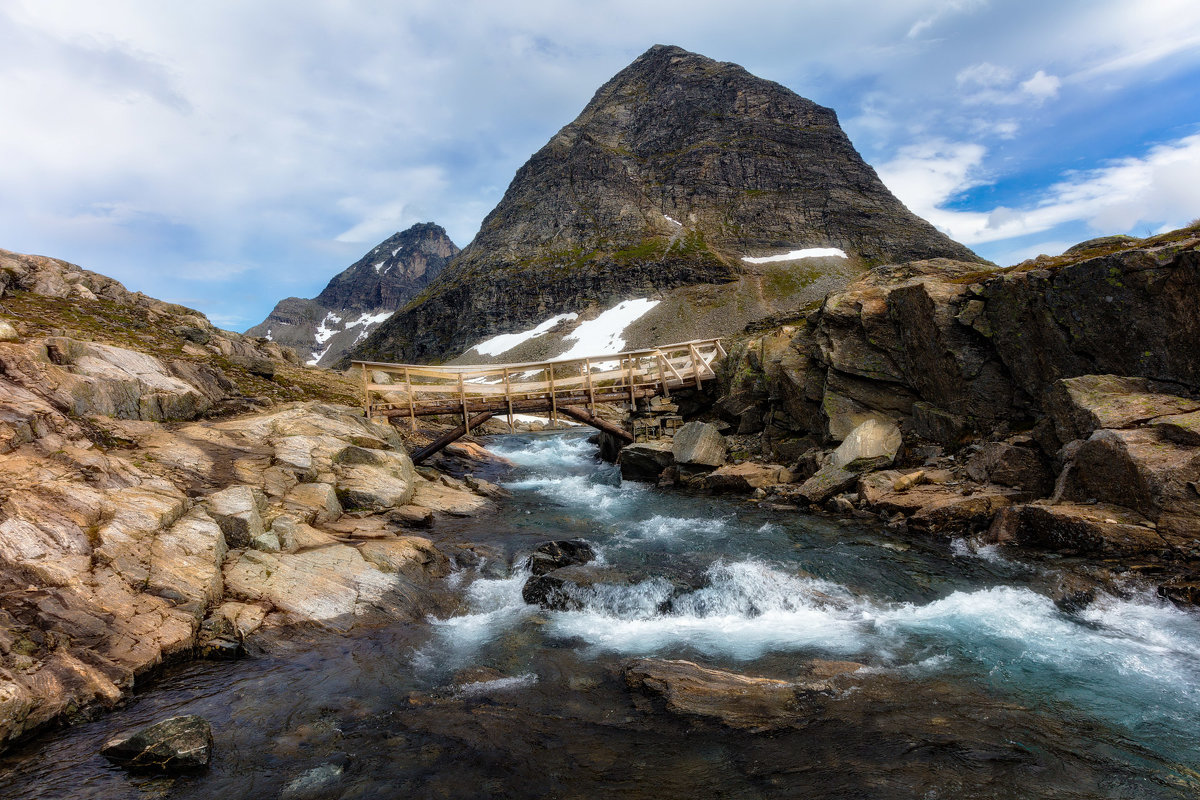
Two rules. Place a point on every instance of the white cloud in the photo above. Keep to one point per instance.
(1041, 86)
(989, 83)
(1158, 189)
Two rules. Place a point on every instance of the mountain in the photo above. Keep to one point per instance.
(360, 297)
(678, 169)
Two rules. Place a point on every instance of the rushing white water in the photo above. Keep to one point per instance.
(729, 588)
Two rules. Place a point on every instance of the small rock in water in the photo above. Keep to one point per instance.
(563, 553)
(313, 784)
(221, 650)
(550, 592)
(177, 743)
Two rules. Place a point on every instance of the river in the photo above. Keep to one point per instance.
(977, 684)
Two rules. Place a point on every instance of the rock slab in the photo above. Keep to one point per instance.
(178, 743)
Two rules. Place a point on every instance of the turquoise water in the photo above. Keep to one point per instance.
(981, 686)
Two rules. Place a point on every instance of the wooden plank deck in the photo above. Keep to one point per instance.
(392, 391)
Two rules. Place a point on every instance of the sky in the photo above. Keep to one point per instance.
(227, 154)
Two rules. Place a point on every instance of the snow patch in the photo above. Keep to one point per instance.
(324, 332)
(507, 341)
(397, 250)
(795, 255)
(268, 335)
(370, 319)
(312, 362)
(602, 335)
(379, 265)
(676, 223)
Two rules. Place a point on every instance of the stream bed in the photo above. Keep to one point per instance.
(976, 683)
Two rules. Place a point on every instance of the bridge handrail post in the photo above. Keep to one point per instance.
(462, 396)
(695, 364)
(587, 366)
(553, 397)
(508, 399)
(662, 373)
(366, 393)
(412, 405)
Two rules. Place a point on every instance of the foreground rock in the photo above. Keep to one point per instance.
(178, 743)
(698, 446)
(739, 701)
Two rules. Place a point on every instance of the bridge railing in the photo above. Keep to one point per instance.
(412, 390)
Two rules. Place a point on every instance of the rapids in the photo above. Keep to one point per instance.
(982, 686)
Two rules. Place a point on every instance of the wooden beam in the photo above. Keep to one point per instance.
(577, 413)
(412, 414)
(447, 438)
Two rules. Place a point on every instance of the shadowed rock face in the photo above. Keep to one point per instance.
(678, 167)
(378, 283)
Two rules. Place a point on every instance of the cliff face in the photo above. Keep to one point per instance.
(126, 542)
(678, 168)
(360, 297)
(1054, 404)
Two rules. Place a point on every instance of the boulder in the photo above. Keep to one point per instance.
(828, 481)
(7, 332)
(238, 511)
(957, 515)
(645, 461)
(436, 496)
(412, 516)
(262, 367)
(178, 743)
(872, 439)
(1075, 529)
(551, 592)
(1082, 405)
(744, 478)
(313, 503)
(1009, 465)
(373, 479)
(550, 556)
(744, 702)
(698, 445)
(1140, 470)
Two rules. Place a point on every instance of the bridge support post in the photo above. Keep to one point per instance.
(447, 438)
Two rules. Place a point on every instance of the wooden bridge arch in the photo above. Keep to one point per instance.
(569, 387)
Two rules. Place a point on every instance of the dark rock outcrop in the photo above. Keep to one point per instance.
(360, 297)
(677, 168)
(563, 553)
(178, 743)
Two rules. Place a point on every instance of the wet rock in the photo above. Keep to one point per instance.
(1076, 529)
(740, 701)
(743, 478)
(872, 439)
(238, 511)
(550, 592)
(220, 650)
(316, 783)
(486, 488)
(645, 461)
(178, 743)
(698, 445)
(1008, 465)
(550, 556)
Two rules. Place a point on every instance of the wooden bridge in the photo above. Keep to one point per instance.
(568, 387)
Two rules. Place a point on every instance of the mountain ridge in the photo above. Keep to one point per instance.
(360, 297)
(677, 169)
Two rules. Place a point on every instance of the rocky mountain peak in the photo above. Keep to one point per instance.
(360, 297)
(677, 170)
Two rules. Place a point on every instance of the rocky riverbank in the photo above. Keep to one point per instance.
(1052, 405)
(168, 488)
